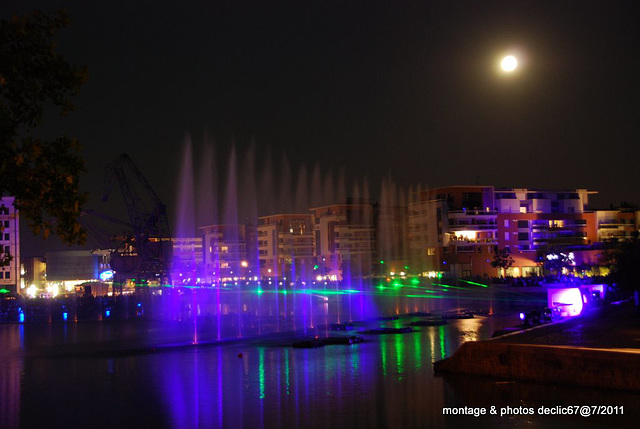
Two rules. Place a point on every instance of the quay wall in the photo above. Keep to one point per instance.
(605, 368)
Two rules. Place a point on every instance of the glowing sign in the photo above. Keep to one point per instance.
(106, 275)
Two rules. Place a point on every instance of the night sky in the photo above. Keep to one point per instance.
(409, 89)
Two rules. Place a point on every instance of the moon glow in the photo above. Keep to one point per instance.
(509, 63)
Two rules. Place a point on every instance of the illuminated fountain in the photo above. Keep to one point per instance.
(239, 204)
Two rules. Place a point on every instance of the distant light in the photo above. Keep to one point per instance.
(509, 63)
(522, 316)
(65, 316)
(139, 304)
(106, 275)
(107, 313)
(20, 315)
(32, 290)
(245, 264)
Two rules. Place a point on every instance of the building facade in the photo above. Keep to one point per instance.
(188, 260)
(458, 229)
(230, 252)
(10, 247)
(616, 225)
(286, 246)
(453, 230)
(344, 239)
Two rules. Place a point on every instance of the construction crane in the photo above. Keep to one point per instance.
(100, 227)
(145, 254)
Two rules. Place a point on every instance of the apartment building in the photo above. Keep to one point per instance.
(9, 247)
(230, 252)
(188, 260)
(616, 225)
(453, 229)
(456, 229)
(344, 239)
(286, 246)
(536, 222)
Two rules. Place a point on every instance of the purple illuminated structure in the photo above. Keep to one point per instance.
(233, 293)
(570, 300)
(567, 300)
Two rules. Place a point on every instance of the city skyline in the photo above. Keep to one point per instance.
(409, 90)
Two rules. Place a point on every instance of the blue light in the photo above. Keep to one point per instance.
(107, 313)
(106, 275)
(522, 316)
(65, 316)
(20, 315)
(139, 304)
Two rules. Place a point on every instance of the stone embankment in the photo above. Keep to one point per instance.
(600, 349)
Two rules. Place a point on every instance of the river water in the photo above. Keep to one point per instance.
(148, 373)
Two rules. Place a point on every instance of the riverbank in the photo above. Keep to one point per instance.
(599, 349)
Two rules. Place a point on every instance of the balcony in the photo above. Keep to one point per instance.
(473, 227)
(473, 212)
(612, 225)
(463, 241)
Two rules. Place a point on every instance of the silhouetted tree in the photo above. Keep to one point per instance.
(625, 264)
(502, 258)
(42, 175)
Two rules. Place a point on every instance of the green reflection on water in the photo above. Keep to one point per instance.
(383, 350)
(286, 370)
(355, 359)
(399, 355)
(261, 371)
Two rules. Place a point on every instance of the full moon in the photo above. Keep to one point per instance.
(509, 63)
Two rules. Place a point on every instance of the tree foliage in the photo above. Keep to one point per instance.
(625, 264)
(502, 258)
(42, 175)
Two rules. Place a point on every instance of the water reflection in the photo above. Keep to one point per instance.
(12, 340)
(386, 381)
